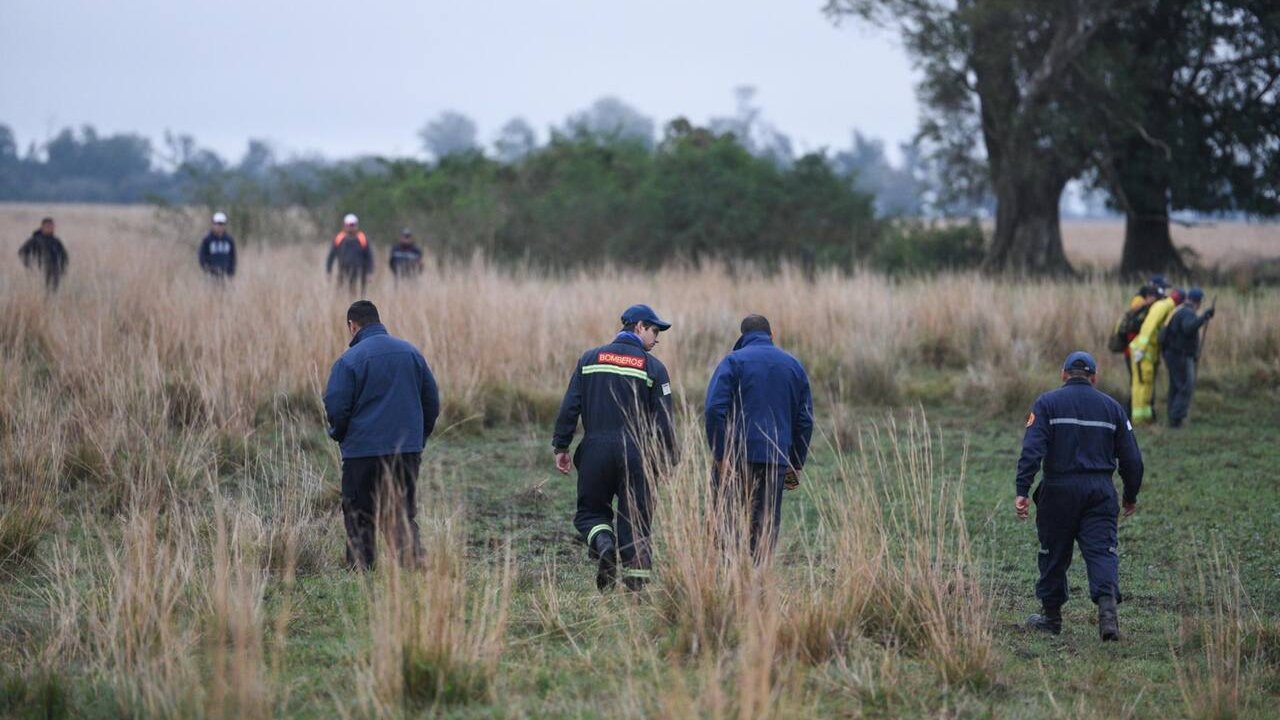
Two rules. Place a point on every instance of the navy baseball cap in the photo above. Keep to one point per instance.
(1081, 360)
(645, 314)
(1159, 281)
(1195, 294)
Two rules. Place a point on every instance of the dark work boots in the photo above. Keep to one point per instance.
(1049, 620)
(605, 548)
(1108, 619)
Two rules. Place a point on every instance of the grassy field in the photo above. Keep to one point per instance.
(171, 544)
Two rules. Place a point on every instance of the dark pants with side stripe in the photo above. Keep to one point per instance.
(381, 490)
(1084, 511)
(756, 489)
(609, 468)
(1182, 383)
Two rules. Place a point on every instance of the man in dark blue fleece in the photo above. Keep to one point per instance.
(759, 420)
(1080, 436)
(381, 403)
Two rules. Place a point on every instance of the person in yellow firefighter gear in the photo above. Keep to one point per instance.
(1144, 354)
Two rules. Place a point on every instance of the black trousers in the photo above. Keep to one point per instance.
(381, 490)
(1182, 384)
(609, 469)
(1084, 511)
(754, 489)
(354, 277)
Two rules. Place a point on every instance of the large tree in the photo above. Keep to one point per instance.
(1192, 124)
(1007, 70)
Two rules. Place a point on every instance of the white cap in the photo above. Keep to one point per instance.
(220, 218)
(350, 219)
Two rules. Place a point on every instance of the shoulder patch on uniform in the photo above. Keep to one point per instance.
(666, 388)
(627, 361)
(1031, 419)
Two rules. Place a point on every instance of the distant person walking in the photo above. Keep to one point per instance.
(406, 256)
(353, 255)
(381, 403)
(1181, 346)
(1079, 436)
(759, 421)
(46, 252)
(218, 249)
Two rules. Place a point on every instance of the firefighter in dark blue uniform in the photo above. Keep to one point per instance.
(623, 395)
(1080, 435)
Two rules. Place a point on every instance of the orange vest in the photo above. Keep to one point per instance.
(364, 241)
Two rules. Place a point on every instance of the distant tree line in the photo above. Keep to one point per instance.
(605, 187)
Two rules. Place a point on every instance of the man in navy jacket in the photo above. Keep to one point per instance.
(1080, 436)
(218, 249)
(623, 395)
(759, 418)
(381, 403)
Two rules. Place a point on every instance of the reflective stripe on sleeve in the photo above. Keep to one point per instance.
(1084, 423)
(615, 370)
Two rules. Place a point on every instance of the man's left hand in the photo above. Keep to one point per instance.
(1022, 506)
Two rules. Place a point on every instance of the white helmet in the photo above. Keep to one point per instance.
(219, 218)
(350, 219)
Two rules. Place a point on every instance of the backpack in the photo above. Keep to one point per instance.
(1130, 324)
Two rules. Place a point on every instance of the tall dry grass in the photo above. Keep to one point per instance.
(1223, 646)
(164, 465)
(436, 633)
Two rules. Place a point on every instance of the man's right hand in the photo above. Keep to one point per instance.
(1130, 508)
(564, 462)
(1022, 506)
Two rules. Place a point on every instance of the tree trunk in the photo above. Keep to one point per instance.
(1148, 247)
(1028, 236)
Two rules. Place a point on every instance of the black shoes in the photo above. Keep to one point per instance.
(1048, 621)
(607, 571)
(1108, 619)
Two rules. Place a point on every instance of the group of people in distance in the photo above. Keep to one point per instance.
(1161, 322)
(351, 252)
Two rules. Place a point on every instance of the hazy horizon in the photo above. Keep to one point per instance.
(343, 82)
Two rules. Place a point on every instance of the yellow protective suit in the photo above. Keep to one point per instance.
(1144, 354)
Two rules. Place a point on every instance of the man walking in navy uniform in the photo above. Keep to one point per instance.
(759, 420)
(623, 395)
(218, 249)
(1081, 436)
(381, 403)
(1180, 345)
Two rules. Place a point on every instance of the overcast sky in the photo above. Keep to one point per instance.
(346, 78)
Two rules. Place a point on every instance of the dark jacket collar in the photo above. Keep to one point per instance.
(1076, 381)
(368, 331)
(759, 337)
(629, 338)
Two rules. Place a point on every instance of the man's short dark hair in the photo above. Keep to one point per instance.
(755, 323)
(1079, 373)
(46, 221)
(363, 313)
(635, 326)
